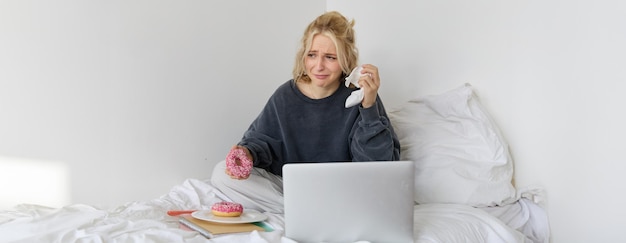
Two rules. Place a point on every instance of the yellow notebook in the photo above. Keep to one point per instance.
(210, 229)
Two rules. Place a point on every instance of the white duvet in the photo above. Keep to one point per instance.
(148, 222)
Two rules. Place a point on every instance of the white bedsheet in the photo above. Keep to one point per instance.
(148, 222)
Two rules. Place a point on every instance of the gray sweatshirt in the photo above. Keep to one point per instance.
(293, 128)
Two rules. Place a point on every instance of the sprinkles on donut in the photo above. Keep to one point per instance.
(227, 209)
(238, 163)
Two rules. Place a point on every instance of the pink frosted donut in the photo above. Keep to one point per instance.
(227, 209)
(238, 163)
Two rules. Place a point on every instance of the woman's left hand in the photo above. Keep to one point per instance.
(369, 82)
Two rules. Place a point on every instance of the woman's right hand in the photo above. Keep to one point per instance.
(239, 163)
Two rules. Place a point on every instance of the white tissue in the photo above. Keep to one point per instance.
(354, 76)
(357, 96)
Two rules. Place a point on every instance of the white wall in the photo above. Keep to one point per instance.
(552, 74)
(104, 102)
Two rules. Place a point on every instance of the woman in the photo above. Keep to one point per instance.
(305, 120)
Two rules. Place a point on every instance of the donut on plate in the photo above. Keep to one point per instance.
(227, 209)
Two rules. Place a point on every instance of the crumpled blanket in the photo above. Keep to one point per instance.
(147, 221)
(133, 222)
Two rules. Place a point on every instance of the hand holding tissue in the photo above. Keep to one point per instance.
(357, 96)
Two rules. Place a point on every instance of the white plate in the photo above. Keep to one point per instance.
(248, 216)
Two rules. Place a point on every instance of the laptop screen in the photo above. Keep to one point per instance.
(349, 201)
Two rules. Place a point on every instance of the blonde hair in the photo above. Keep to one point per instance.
(336, 27)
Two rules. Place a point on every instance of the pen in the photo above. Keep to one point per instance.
(179, 212)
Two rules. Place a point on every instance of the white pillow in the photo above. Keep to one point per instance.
(460, 156)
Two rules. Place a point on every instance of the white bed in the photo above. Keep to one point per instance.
(463, 190)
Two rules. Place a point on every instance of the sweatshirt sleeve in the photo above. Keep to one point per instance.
(261, 138)
(373, 137)
(261, 147)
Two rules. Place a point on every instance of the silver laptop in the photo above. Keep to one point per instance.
(349, 201)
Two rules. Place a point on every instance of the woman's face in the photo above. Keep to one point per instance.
(321, 62)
